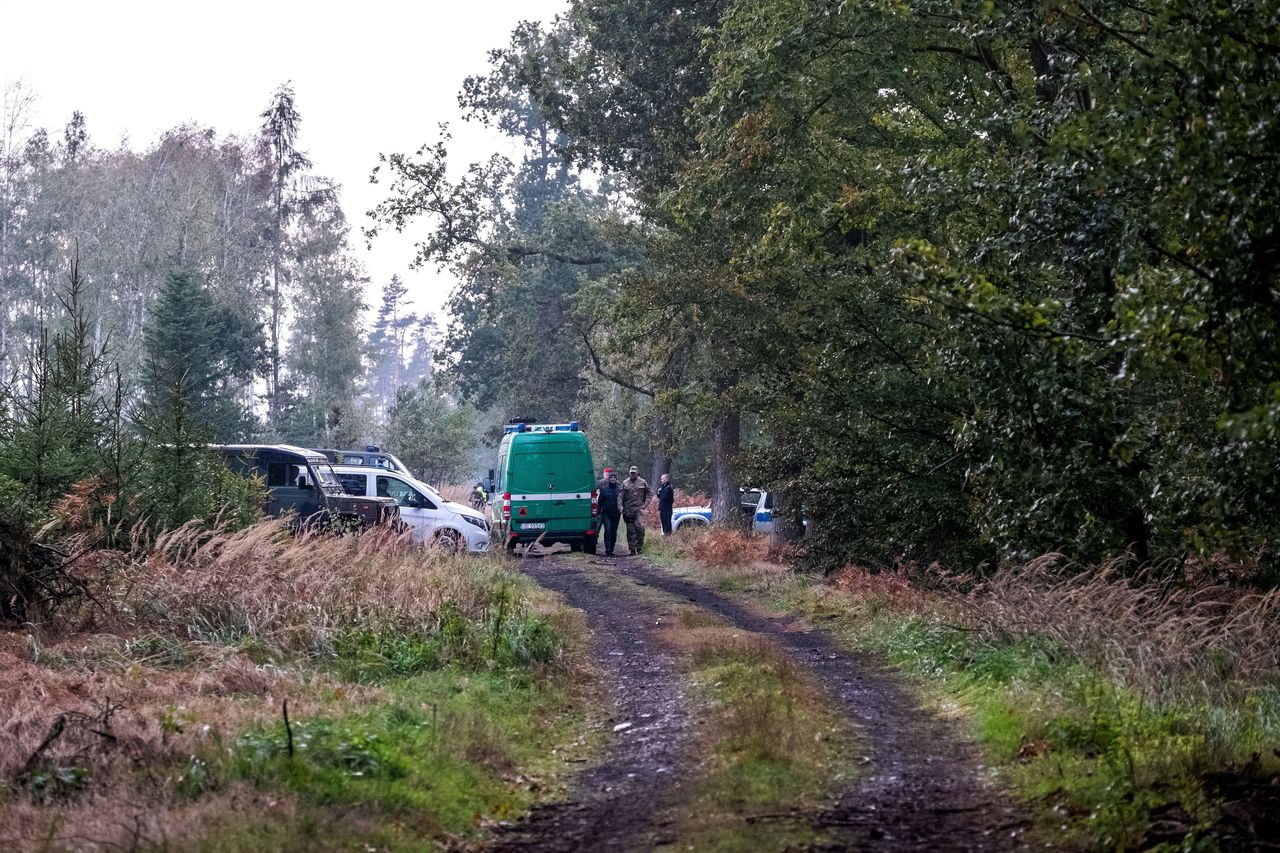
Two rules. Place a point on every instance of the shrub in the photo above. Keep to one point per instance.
(36, 579)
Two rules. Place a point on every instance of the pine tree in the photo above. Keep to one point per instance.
(205, 350)
(57, 422)
(326, 341)
(425, 340)
(387, 343)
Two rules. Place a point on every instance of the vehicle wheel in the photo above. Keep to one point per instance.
(447, 541)
(691, 522)
(589, 544)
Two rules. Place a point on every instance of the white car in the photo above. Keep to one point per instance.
(435, 521)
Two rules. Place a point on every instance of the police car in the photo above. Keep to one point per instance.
(756, 504)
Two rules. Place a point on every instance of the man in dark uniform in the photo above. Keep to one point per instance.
(610, 511)
(666, 502)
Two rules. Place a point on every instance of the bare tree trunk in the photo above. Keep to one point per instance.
(726, 434)
(662, 431)
(273, 393)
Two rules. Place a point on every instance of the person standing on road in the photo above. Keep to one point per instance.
(635, 495)
(666, 502)
(610, 511)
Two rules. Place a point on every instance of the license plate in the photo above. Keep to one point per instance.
(534, 525)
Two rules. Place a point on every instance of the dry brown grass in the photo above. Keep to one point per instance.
(118, 715)
(292, 592)
(188, 644)
(456, 492)
(1147, 632)
(107, 823)
(1144, 631)
(876, 590)
(719, 548)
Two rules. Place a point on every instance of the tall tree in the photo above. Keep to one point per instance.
(285, 163)
(388, 342)
(326, 337)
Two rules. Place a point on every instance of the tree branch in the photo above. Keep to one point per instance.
(595, 360)
(518, 252)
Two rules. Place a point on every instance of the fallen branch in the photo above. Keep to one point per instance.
(55, 732)
(288, 730)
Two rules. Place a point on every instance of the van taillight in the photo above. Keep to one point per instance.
(595, 502)
(506, 506)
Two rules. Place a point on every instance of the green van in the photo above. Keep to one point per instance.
(545, 487)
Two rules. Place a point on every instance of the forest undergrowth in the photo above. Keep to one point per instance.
(253, 690)
(1132, 710)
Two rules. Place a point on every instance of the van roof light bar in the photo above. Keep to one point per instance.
(523, 426)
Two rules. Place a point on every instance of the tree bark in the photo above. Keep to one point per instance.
(726, 435)
(788, 524)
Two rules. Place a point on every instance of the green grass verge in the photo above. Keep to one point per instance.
(476, 721)
(449, 751)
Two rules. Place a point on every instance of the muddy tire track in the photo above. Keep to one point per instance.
(615, 803)
(924, 787)
(921, 786)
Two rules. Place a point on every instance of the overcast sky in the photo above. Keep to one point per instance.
(369, 77)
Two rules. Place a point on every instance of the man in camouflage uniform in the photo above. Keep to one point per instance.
(635, 495)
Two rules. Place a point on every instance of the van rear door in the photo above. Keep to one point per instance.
(550, 486)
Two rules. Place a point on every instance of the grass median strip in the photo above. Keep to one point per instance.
(772, 750)
(775, 751)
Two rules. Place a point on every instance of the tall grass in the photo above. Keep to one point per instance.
(201, 635)
(297, 593)
(1131, 707)
(1149, 633)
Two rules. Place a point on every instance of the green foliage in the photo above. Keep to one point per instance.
(195, 353)
(508, 638)
(55, 783)
(992, 326)
(52, 439)
(431, 434)
(992, 281)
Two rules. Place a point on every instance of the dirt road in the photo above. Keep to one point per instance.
(922, 786)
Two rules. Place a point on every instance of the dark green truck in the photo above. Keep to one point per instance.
(301, 482)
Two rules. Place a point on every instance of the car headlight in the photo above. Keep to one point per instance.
(478, 522)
